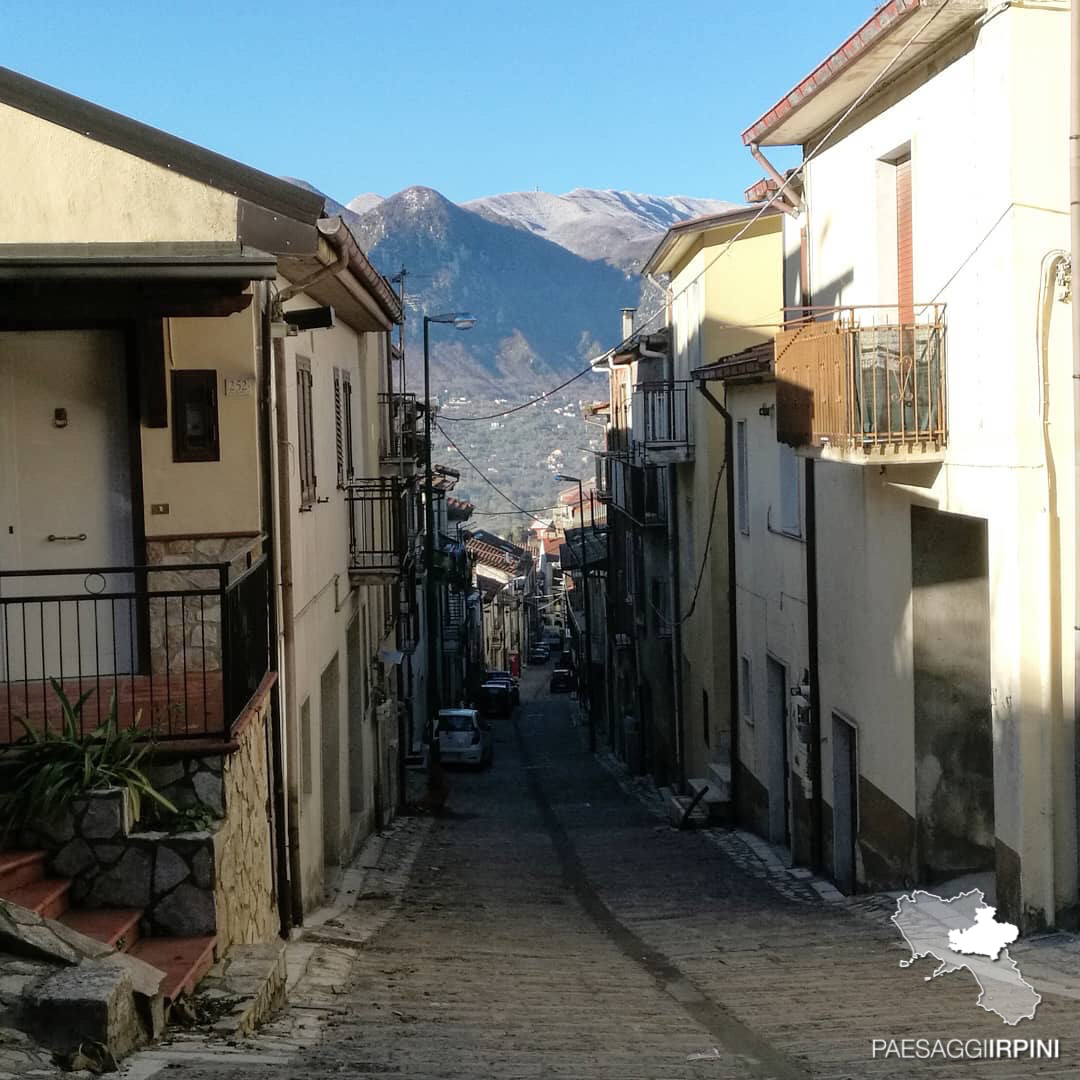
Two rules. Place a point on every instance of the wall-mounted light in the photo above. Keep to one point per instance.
(766, 410)
(60, 418)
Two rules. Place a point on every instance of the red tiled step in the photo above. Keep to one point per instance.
(184, 960)
(118, 927)
(48, 897)
(18, 868)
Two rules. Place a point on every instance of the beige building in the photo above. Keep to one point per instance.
(931, 387)
(209, 435)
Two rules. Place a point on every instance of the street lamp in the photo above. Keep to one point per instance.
(461, 320)
(560, 478)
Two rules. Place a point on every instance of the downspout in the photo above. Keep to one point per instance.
(733, 616)
(278, 754)
(328, 270)
(675, 585)
(288, 634)
(788, 200)
(817, 839)
(1074, 243)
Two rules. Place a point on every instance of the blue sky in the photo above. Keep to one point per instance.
(472, 97)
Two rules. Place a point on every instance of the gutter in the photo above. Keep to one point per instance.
(817, 837)
(787, 199)
(1074, 243)
(341, 239)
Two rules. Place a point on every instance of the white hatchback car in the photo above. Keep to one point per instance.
(464, 738)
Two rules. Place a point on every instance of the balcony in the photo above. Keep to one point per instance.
(603, 479)
(661, 421)
(861, 386)
(182, 647)
(401, 439)
(640, 493)
(378, 514)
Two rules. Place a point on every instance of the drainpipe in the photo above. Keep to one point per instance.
(288, 630)
(676, 629)
(733, 617)
(787, 198)
(335, 267)
(817, 839)
(1074, 243)
(278, 754)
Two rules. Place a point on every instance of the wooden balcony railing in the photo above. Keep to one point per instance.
(862, 380)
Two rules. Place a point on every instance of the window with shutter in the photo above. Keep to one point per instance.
(339, 432)
(905, 271)
(346, 389)
(305, 436)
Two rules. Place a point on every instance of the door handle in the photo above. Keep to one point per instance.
(53, 538)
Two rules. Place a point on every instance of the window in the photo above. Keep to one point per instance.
(307, 778)
(305, 433)
(339, 430)
(195, 416)
(790, 501)
(742, 495)
(346, 391)
(746, 690)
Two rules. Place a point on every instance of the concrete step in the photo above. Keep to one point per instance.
(184, 960)
(718, 775)
(18, 868)
(716, 801)
(677, 806)
(48, 896)
(118, 927)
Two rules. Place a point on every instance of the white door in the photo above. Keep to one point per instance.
(65, 504)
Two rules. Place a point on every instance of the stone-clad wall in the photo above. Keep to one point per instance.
(214, 881)
(190, 639)
(244, 890)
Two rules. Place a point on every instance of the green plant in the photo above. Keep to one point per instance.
(47, 770)
(186, 819)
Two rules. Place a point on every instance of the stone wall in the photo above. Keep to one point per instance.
(244, 890)
(189, 638)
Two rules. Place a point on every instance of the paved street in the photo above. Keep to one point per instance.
(552, 926)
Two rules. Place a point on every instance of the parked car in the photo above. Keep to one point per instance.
(496, 699)
(465, 738)
(566, 659)
(562, 681)
(509, 680)
(539, 654)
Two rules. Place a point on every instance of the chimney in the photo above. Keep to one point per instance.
(628, 314)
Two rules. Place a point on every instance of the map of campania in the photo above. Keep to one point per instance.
(962, 933)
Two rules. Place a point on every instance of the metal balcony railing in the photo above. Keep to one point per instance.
(864, 380)
(378, 516)
(181, 647)
(401, 438)
(603, 478)
(661, 414)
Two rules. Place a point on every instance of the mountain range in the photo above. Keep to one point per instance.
(546, 277)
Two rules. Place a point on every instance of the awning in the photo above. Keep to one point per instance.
(228, 261)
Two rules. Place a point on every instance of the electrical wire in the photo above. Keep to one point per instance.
(483, 476)
(704, 559)
(523, 405)
(738, 236)
(796, 171)
(504, 513)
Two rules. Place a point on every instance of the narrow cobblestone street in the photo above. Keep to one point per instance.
(552, 926)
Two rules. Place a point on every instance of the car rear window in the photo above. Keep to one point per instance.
(456, 723)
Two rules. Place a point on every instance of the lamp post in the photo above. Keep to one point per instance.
(561, 477)
(462, 321)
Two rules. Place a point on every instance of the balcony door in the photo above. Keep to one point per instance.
(65, 504)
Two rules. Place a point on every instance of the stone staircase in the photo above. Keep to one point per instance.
(24, 881)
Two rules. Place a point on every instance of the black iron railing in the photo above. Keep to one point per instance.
(180, 647)
(401, 440)
(378, 525)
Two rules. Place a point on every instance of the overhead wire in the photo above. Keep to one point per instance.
(487, 480)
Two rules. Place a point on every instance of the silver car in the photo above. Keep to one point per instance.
(465, 738)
